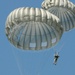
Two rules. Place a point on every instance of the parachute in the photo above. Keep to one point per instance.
(64, 10)
(33, 28)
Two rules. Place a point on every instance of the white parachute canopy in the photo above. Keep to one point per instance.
(64, 10)
(33, 28)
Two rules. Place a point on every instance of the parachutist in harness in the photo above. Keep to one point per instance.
(56, 56)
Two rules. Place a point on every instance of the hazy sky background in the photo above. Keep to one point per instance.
(14, 61)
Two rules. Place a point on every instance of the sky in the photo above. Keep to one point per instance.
(15, 61)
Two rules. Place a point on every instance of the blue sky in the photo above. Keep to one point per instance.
(14, 61)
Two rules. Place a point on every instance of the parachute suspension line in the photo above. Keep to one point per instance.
(60, 48)
(43, 64)
(55, 50)
(38, 71)
(46, 61)
(17, 62)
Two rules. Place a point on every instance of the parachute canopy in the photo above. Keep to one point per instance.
(33, 28)
(64, 10)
